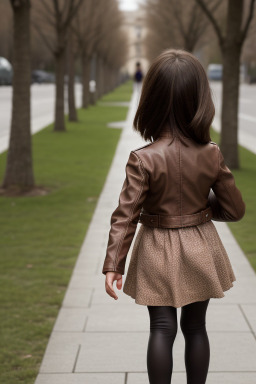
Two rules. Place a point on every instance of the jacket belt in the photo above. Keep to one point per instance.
(167, 221)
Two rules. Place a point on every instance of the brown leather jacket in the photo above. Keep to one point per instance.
(171, 183)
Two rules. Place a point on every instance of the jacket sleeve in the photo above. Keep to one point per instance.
(225, 198)
(125, 217)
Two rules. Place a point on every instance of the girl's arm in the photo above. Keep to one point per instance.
(125, 217)
(225, 198)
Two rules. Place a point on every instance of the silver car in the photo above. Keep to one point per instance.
(5, 72)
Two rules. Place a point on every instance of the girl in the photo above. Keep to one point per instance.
(174, 187)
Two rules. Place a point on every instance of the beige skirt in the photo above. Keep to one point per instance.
(178, 266)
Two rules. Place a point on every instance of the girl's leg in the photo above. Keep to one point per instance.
(197, 347)
(163, 330)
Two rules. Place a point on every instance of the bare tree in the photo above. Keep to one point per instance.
(19, 170)
(231, 43)
(85, 28)
(58, 15)
(110, 46)
(180, 24)
(41, 57)
(97, 28)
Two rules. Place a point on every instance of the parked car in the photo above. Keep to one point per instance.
(214, 72)
(5, 72)
(39, 76)
(252, 79)
(251, 74)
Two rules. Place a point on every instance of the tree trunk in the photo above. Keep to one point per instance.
(98, 78)
(107, 78)
(101, 77)
(19, 168)
(229, 111)
(85, 80)
(112, 79)
(231, 52)
(71, 80)
(59, 123)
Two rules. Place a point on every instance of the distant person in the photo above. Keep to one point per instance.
(138, 76)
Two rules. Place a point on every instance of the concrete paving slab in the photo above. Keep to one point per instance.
(243, 291)
(71, 320)
(142, 378)
(87, 265)
(77, 297)
(232, 351)
(86, 281)
(112, 352)
(225, 318)
(249, 311)
(82, 378)
(212, 378)
(118, 317)
(58, 363)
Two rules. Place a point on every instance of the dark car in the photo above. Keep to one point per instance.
(39, 76)
(214, 72)
(5, 72)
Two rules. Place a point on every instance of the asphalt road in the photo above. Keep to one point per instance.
(42, 109)
(247, 113)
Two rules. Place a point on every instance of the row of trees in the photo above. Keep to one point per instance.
(191, 25)
(88, 31)
(41, 57)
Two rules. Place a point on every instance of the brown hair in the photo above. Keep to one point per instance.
(176, 93)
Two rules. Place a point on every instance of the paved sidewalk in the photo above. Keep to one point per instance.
(97, 340)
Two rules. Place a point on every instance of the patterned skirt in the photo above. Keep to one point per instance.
(178, 266)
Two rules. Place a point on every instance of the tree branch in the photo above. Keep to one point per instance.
(39, 13)
(57, 10)
(42, 35)
(47, 7)
(72, 11)
(200, 24)
(177, 13)
(67, 6)
(212, 19)
(248, 22)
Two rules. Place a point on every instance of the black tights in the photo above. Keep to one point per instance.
(163, 330)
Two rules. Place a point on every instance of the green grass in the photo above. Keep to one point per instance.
(244, 230)
(123, 94)
(41, 236)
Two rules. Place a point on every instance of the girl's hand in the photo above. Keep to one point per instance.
(110, 278)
